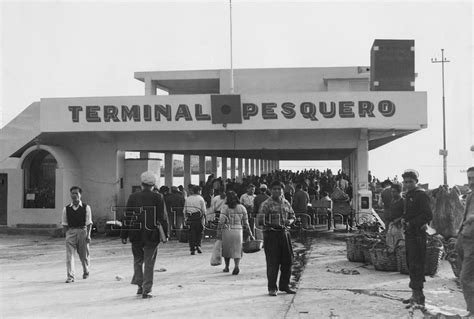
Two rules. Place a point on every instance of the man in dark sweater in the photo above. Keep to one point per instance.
(145, 212)
(77, 225)
(416, 218)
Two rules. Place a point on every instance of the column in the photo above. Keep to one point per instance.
(257, 167)
(247, 164)
(345, 165)
(262, 169)
(224, 169)
(187, 170)
(252, 166)
(169, 169)
(363, 161)
(240, 164)
(232, 168)
(202, 169)
(150, 87)
(214, 166)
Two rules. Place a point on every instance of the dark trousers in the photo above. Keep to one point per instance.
(279, 257)
(416, 255)
(465, 250)
(144, 257)
(195, 235)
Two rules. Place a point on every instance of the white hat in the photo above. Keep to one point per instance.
(148, 178)
(263, 186)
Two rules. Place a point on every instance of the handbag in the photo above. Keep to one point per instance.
(216, 256)
(252, 246)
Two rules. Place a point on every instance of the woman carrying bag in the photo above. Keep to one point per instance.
(233, 220)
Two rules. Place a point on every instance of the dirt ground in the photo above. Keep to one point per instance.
(33, 270)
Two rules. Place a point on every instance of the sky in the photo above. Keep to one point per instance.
(91, 48)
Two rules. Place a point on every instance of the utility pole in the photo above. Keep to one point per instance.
(231, 62)
(444, 151)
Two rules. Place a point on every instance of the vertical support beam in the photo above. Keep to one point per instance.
(247, 164)
(202, 169)
(187, 170)
(169, 169)
(224, 168)
(257, 167)
(346, 165)
(214, 166)
(252, 166)
(150, 87)
(240, 164)
(262, 169)
(363, 161)
(232, 168)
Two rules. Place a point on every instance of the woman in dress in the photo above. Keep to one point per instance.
(233, 220)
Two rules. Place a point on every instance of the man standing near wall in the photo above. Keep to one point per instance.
(465, 247)
(145, 212)
(417, 215)
(77, 225)
(276, 239)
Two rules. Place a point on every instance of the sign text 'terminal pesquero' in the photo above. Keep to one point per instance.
(267, 111)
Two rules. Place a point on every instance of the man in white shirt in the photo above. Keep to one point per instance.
(77, 225)
(247, 200)
(194, 210)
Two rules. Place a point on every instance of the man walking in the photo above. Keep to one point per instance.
(145, 213)
(194, 210)
(465, 247)
(276, 239)
(417, 215)
(77, 225)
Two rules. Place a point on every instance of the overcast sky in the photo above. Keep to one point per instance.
(75, 49)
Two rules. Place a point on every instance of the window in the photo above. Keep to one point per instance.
(40, 180)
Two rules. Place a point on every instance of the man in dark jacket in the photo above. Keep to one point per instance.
(175, 204)
(417, 215)
(145, 212)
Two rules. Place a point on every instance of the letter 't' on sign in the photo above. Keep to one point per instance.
(226, 108)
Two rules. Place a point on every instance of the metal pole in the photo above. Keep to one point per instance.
(444, 151)
(231, 62)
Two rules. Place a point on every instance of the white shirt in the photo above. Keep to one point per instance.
(195, 203)
(247, 200)
(88, 214)
(216, 204)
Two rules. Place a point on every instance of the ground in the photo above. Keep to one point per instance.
(33, 271)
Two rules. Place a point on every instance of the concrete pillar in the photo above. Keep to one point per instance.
(169, 169)
(202, 169)
(232, 168)
(247, 164)
(260, 164)
(187, 170)
(363, 160)
(257, 167)
(150, 87)
(252, 166)
(224, 168)
(346, 165)
(240, 164)
(214, 166)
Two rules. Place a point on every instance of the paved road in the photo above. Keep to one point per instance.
(32, 274)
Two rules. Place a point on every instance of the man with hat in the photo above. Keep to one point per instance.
(416, 218)
(145, 213)
(465, 247)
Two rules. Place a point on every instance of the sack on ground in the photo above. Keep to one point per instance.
(216, 256)
(394, 233)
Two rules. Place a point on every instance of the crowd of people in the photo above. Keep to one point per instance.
(235, 206)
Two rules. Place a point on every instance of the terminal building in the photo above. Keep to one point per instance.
(323, 113)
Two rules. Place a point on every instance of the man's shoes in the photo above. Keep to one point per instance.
(235, 271)
(147, 295)
(273, 293)
(140, 291)
(85, 275)
(199, 250)
(226, 269)
(69, 280)
(193, 252)
(288, 291)
(417, 297)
